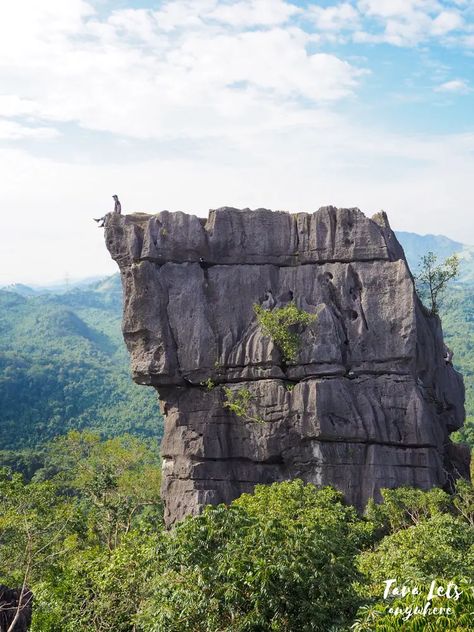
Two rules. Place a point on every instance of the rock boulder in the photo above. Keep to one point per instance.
(368, 402)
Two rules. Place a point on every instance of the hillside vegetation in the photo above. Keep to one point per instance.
(457, 313)
(86, 535)
(63, 365)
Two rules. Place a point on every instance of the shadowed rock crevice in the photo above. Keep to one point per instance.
(368, 402)
(15, 608)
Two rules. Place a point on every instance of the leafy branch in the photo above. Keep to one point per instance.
(279, 323)
(239, 402)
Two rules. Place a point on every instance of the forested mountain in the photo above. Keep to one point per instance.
(63, 365)
(415, 246)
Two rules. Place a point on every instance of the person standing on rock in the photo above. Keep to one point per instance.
(448, 355)
(118, 206)
(117, 209)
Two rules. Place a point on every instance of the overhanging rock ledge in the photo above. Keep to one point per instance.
(369, 401)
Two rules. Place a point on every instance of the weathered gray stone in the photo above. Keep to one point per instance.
(369, 401)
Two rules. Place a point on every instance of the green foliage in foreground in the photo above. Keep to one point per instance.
(280, 324)
(281, 559)
(80, 524)
(86, 533)
(429, 545)
(415, 614)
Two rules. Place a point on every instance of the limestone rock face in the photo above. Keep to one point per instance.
(369, 401)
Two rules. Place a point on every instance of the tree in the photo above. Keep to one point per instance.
(400, 614)
(281, 559)
(463, 501)
(406, 506)
(97, 590)
(239, 402)
(117, 480)
(440, 546)
(83, 540)
(431, 545)
(432, 278)
(15, 609)
(35, 525)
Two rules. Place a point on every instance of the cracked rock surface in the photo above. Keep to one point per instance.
(369, 401)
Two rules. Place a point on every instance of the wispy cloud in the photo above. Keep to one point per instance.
(455, 86)
(409, 22)
(11, 130)
(338, 17)
(249, 13)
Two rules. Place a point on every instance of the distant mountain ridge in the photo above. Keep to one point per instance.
(55, 288)
(415, 246)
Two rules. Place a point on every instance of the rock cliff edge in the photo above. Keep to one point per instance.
(369, 401)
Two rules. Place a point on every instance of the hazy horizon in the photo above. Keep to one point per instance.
(75, 280)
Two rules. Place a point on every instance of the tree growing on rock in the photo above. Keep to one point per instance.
(433, 278)
(280, 324)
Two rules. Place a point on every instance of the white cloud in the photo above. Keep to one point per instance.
(396, 8)
(140, 74)
(12, 105)
(445, 22)
(455, 86)
(246, 13)
(339, 17)
(183, 14)
(420, 181)
(408, 22)
(29, 30)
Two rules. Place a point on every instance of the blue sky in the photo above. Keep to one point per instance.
(194, 104)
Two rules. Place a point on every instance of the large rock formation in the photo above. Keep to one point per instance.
(369, 401)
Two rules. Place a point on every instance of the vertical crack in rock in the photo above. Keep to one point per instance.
(355, 292)
(369, 401)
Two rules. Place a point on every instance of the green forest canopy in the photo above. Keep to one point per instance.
(87, 536)
(64, 365)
